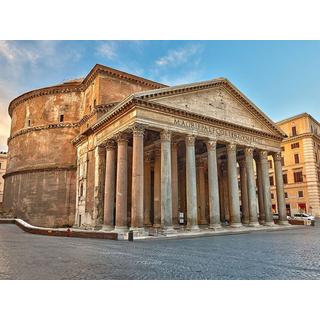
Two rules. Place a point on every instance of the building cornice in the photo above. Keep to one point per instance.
(40, 169)
(301, 136)
(44, 127)
(83, 85)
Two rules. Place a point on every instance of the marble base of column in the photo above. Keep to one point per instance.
(216, 226)
(107, 228)
(168, 230)
(269, 224)
(254, 224)
(120, 229)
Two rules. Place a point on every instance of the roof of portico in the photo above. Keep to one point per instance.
(193, 87)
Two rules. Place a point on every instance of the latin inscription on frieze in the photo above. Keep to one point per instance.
(215, 132)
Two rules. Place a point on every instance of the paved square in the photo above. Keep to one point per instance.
(290, 254)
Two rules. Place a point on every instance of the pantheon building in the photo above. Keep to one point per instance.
(115, 151)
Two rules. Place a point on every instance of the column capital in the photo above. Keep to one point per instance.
(231, 147)
(276, 156)
(122, 137)
(110, 144)
(148, 156)
(263, 154)
(190, 140)
(248, 151)
(211, 144)
(137, 129)
(165, 135)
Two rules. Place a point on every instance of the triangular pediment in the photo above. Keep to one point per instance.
(222, 102)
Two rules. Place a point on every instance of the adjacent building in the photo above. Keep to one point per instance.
(117, 151)
(300, 156)
(3, 166)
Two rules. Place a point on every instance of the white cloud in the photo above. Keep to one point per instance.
(107, 50)
(12, 53)
(178, 56)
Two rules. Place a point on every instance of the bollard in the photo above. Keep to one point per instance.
(130, 235)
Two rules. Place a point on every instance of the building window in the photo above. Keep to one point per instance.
(300, 194)
(298, 177)
(61, 118)
(272, 196)
(94, 103)
(295, 145)
(296, 158)
(270, 164)
(29, 123)
(271, 181)
(285, 178)
(286, 195)
(282, 161)
(294, 131)
(282, 148)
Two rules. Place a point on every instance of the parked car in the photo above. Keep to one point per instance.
(276, 216)
(303, 216)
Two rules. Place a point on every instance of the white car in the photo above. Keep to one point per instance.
(303, 216)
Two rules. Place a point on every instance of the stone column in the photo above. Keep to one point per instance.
(137, 178)
(233, 186)
(280, 189)
(251, 185)
(191, 184)
(147, 189)
(157, 189)
(266, 188)
(98, 194)
(122, 184)
(244, 192)
(109, 189)
(202, 193)
(213, 185)
(174, 171)
(166, 186)
(182, 186)
(260, 191)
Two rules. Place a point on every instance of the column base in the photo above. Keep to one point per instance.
(215, 226)
(269, 224)
(193, 228)
(254, 224)
(121, 229)
(236, 225)
(284, 223)
(168, 230)
(107, 227)
(137, 229)
(156, 225)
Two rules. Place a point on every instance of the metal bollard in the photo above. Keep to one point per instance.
(130, 235)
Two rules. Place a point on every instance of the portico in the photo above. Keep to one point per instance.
(198, 150)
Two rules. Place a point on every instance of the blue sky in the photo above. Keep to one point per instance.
(281, 77)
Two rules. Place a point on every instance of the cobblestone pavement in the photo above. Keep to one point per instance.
(290, 254)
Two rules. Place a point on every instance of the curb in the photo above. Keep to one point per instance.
(63, 232)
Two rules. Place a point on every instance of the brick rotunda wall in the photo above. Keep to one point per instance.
(41, 174)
